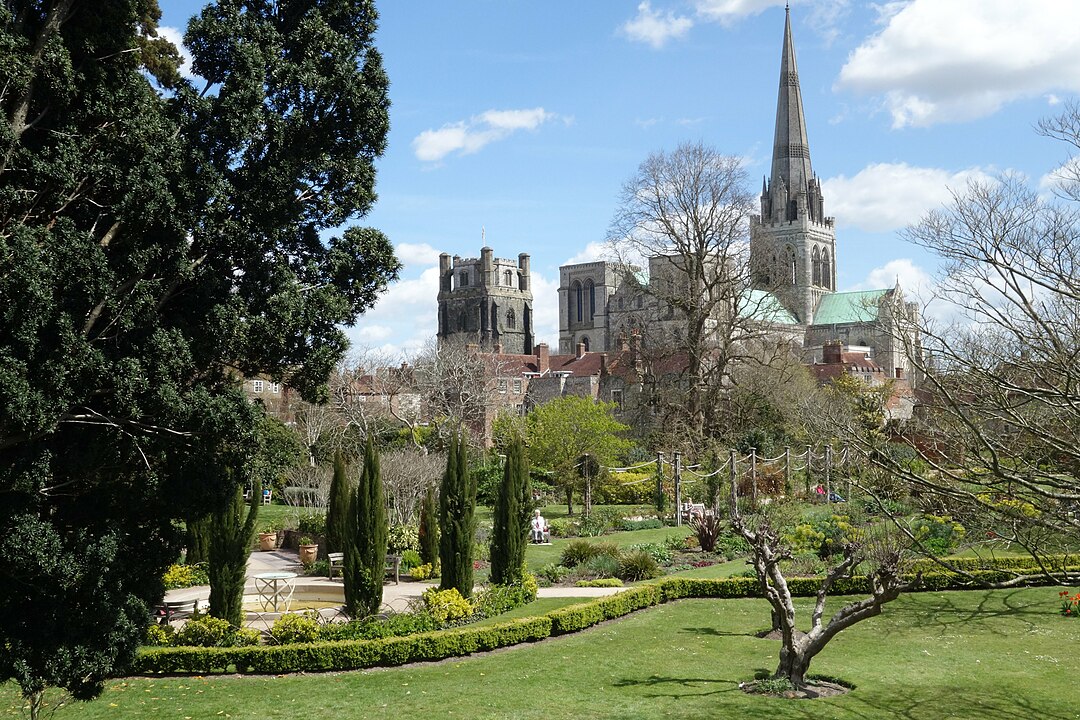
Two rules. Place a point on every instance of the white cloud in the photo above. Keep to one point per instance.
(1063, 178)
(727, 12)
(916, 282)
(176, 37)
(593, 251)
(655, 27)
(545, 309)
(889, 196)
(373, 333)
(413, 254)
(469, 136)
(953, 61)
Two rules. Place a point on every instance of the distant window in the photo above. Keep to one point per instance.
(257, 386)
(592, 298)
(508, 278)
(815, 259)
(517, 385)
(585, 342)
(511, 320)
(275, 387)
(616, 397)
(579, 295)
(502, 386)
(463, 279)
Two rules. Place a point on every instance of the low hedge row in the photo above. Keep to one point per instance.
(1019, 564)
(439, 645)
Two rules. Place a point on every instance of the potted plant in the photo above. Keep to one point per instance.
(309, 550)
(267, 539)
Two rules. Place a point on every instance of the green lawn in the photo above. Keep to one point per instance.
(539, 606)
(976, 654)
(539, 555)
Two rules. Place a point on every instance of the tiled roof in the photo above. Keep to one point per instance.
(849, 307)
(763, 305)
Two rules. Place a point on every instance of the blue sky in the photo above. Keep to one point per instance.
(524, 118)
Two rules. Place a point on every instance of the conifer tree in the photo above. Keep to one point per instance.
(512, 502)
(231, 536)
(457, 501)
(429, 529)
(365, 550)
(197, 540)
(337, 511)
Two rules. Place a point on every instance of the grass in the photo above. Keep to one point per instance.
(536, 556)
(976, 654)
(540, 606)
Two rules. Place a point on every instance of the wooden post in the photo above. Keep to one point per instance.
(828, 468)
(588, 486)
(788, 489)
(809, 467)
(753, 477)
(734, 484)
(659, 482)
(678, 489)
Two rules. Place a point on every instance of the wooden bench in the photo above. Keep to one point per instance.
(168, 611)
(337, 562)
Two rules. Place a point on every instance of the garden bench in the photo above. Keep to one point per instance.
(168, 611)
(337, 562)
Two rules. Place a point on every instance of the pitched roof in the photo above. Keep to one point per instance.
(763, 305)
(849, 307)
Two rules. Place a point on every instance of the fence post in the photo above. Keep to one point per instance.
(660, 482)
(753, 477)
(788, 489)
(734, 483)
(847, 472)
(588, 486)
(828, 468)
(809, 467)
(678, 489)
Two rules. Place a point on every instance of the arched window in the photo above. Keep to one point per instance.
(590, 290)
(511, 319)
(508, 278)
(792, 267)
(585, 342)
(463, 279)
(815, 259)
(579, 304)
(826, 270)
(463, 319)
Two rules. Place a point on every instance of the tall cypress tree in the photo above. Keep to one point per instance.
(231, 535)
(197, 540)
(429, 529)
(337, 511)
(365, 551)
(512, 502)
(457, 501)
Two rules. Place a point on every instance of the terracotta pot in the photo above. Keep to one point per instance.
(308, 553)
(267, 541)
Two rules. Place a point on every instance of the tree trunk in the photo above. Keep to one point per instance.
(570, 501)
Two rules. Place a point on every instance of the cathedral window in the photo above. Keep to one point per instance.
(585, 342)
(578, 301)
(789, 261)
(816, 260)
(511, 320)
(826, 270)
(508, 278)
(463, 279)
(591, 290)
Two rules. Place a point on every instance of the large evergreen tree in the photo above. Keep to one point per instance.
(429, 529)
(511, 528)
(365, 548)
(457, 503)
(232, 531)
(337, 510)
(157, 240)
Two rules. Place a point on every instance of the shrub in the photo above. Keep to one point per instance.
(446, 606)
(401, 538)
(421, 572)
(319, 568)
(183, 576)
(660, 552)
(939, 534)
(600, 521)
(638, 565)
(599, 582)
(580, 551)
(209, 631)
(409, 560)
(731, 545)
(562, 528)
(707, 529)
(294, 628)
(497, 599)
(312, 524)
(160, 635)
(647, 524)
(599, 566)
(675, 543)
(553, 572)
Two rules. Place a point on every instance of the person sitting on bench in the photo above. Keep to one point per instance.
(539, 528)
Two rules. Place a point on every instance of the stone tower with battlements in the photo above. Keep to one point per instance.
(488, 301)
(793, 242)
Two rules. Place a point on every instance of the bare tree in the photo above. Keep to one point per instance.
(407, 474)
(370, 389)
(686, 214)
(1000, 418)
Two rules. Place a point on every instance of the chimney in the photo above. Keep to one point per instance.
(580, 350)
(498, 348)
(831, 352)
(543, 360)
(603, 365)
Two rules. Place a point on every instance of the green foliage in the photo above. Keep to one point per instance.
(312, 524)
(497, 599)
(510, 533)
(409, 560)
(337, 508)
(209, 631)
(638, 565)
(562, 528)
(598, 566)
(773, 686)
(365, 551)
(600, 521)
(232, 532)
(938, 534)
(402, 538)
(553, 572)
(295, 627)
(446, 606)
(578, 551)
(160, 635)
(422, 572)
(625, 488)
(488, 477)
(600, 582)
(154, 246)
(660, 552)
(196, 541)
(647, 524)
(428, 532)
(457, 503)
(1070, 604)
(185, 576)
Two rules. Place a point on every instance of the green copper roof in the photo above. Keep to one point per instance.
(762, 305)
(849, 307)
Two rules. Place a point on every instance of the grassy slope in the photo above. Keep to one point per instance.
(982, 654)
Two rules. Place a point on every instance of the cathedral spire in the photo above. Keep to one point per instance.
(791, 171)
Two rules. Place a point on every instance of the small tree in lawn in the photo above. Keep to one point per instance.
(429, 529)
(231, 536)
(873, 546)
(337, 511)
(511, 527)
(365, 551)
(457, 501)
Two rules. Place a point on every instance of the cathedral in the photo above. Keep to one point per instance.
(794, 256)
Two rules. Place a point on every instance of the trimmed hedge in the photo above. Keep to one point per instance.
(442, 644)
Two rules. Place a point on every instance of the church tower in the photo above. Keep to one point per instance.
(792, 242)
(487, 301)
